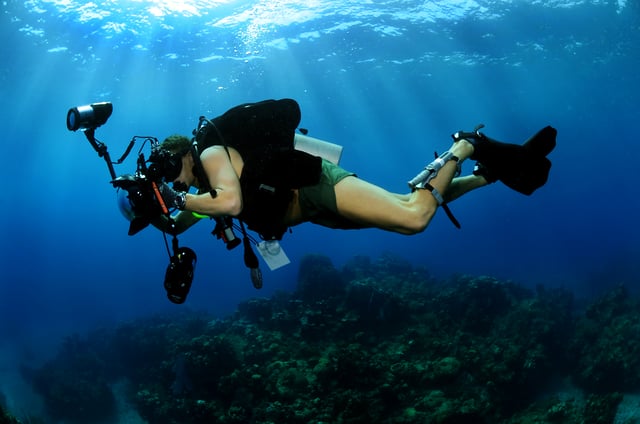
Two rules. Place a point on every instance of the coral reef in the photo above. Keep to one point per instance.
(376, 342)
(6, 418)
(607, 344)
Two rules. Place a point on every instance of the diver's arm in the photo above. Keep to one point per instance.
(182, 220)
(223, 179)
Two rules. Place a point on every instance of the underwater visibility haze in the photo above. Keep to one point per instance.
(388, 80)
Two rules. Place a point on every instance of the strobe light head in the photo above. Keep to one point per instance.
(89, 116)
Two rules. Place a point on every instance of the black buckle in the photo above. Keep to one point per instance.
(466, 135)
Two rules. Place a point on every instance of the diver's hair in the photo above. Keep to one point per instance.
(176, 143)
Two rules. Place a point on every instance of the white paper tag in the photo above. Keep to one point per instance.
(273, 254)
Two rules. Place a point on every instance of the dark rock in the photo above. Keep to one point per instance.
(318, 279)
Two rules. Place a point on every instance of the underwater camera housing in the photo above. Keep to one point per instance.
(143, 201)
(139, 197)
(138, 200)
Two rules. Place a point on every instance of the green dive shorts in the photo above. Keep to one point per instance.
(318, 202)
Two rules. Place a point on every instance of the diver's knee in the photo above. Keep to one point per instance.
(419, 221)
(413, 230)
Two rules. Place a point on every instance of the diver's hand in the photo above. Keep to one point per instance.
(173, 198)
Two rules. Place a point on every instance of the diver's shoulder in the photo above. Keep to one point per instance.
(218, 150)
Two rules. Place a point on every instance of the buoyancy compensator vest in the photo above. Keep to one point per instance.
(263, 133)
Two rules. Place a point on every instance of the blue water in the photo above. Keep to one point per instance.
(390, 81)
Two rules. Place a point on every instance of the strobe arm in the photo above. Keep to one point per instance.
(102, 151)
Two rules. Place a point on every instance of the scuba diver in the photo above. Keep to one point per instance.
(271, 191)
(254, 165)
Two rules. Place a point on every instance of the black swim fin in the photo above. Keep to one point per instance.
(523, 168)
